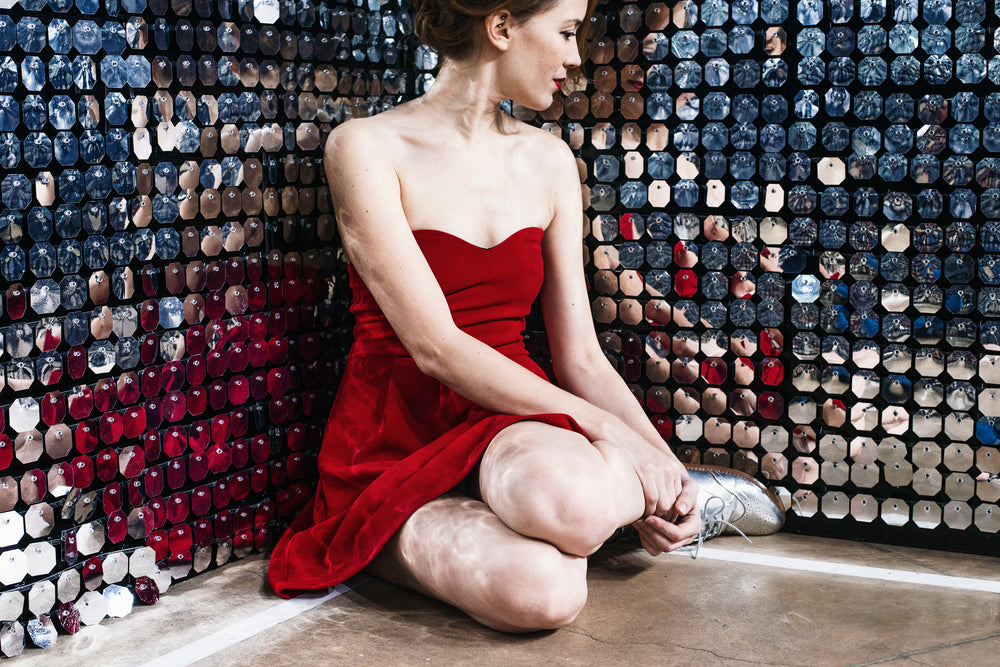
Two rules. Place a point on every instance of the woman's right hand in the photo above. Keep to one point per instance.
(670, 518)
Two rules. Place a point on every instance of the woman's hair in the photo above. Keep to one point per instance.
(450, 26)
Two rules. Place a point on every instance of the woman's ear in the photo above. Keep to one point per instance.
(498, 29)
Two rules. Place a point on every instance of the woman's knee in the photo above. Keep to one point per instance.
(582, 510)
(563, 493)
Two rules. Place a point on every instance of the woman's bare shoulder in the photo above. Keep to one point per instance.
(542, 147)
(356, 136)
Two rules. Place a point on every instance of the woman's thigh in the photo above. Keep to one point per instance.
(555, 485)
(455, 549)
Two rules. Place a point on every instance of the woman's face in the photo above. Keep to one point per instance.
(542, 48)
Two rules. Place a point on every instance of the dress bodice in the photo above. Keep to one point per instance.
(489, 290)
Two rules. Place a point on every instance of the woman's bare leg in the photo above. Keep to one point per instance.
(516, 562)
(455, 549)
(555, 485)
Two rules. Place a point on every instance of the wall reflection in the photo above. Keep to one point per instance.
(171, 321)
(790, 232)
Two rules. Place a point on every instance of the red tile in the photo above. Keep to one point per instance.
(194, 339)
(178, 507)
(128, 388)
(203, 534)
(196, 369)
(53, 408)
(278, 410)
(151, 381)
(85, 437)
(107, 464)
(69, 618)
(6, 451)
(238, 389)
(158, 509)
(198, 466)
(277, 350)
(223, 524)
(176, 474)
(111, 498)
(151, 443)
(111, 427)
(771, 405)
(258, 385)
(134, 422)
(241, 452)
(215, 305)
(172, 376)
(147, 590)
(175, 442)
(80, 402)
(174, 406)
(240, 485)
(117, 527)
(105, 394)
(197, 400)
(218, 362)
(17, 301)
(220, 428)
(201, 500)
(153, 481)
(239, 421)
(220, 494)
(295, 437)
(258, 478)
(157, 540)
(149, 315)
(150, 349)
(258, 352)
(135, 492)
(154, 413)
(220, 458)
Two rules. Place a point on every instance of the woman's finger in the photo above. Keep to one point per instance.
(687, 499)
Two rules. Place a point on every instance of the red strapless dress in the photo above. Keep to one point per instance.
(397, 438)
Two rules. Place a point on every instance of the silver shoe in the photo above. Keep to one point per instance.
(733, 502)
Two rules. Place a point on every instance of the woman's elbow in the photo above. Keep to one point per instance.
(431, 358)
(583, 371)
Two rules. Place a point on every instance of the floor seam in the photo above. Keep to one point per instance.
(924, 651)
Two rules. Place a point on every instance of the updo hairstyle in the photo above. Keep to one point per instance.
(450, 26)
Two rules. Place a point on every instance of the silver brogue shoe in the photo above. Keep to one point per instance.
(733, 502)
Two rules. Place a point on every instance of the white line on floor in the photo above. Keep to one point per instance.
(845, 569)
(254, 625)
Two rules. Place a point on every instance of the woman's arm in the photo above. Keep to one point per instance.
(580, 365)
(582, 368)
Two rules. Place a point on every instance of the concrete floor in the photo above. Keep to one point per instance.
(671, 610)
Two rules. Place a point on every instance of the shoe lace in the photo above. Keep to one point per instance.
(713, 521)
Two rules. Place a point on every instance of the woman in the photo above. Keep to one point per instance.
(450, 464)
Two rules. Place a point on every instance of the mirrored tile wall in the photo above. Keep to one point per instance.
(171, 319)
(792, 234)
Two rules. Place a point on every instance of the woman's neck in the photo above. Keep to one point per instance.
(465, 97)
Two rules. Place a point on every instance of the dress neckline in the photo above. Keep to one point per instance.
(523, 230)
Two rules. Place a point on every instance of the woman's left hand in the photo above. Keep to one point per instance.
(664, 534)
